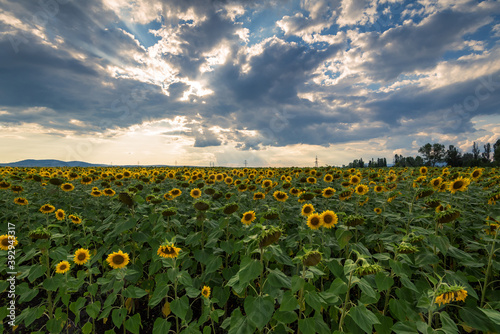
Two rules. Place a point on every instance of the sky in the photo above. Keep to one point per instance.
(273, 83)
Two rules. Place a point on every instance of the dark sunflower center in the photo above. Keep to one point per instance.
(60, 214)
(118, 259)
(307, 209)
(248, 216)
(67, 186)
(81, 256)
(475, 174)
(175, 192)
(62, 267)
(168, 250)
(328, 219)
(315, 221)
(196, 193)
(281, 195)
(458, 184)
(5, 242)
(328, 192)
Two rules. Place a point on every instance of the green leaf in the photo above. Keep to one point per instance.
(87, 328)
(364, 318)
(289, 302)
(249, 270)
(277, 279)
(75, 307)
(383, 281)
(286, 317)
(161, 326)
(93, 309)
(134, 292)
(180, 307)
(448, 325)
(124, 226)
(297, 283)
(405, 327)
(442, 243)
(36, 271)
(133, 323)
(366, 288)
(385, 324)
(492, 315)
(52, 283)
(343, 237)
(313, 300)
(185, 279)
(213, 264)
(338, 287)
(118, 316)
(259, 310)
(240, 324)
(307, 326)
(159, 293)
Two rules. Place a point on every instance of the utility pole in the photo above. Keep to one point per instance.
(316, 162)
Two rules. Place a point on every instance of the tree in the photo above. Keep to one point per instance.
(487, 153)
(496, 152)
(432, 153)
(453, 157)
(475, 151)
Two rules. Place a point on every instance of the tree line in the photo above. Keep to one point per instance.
(437, 154)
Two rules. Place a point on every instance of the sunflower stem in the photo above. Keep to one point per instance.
(488, 269)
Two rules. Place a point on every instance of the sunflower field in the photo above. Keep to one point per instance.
(253, 250)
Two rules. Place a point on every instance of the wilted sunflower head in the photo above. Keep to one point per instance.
(311, 258)
(269, 236)
(202, 205)
(230, 208)
(354, 220)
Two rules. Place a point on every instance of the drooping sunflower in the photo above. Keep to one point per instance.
(476, 173)
(67, 187)
(81, 256)
(21, 201)
(280, 196)
(7, 240)
(47, 208)
(328, 192)
(329, 219)
(108, 192)
(205, 291)
(118, 259)
(62, 267)
(168, 251)
(307, 210)
(75, 219)
(314, 221)
(60, 214)
(377, 211)
(248, 217)
(195, 193)
(459, 184)
(448, 294)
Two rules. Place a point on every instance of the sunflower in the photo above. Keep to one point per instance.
(476, 174)
(228, 180)
(81, 256)
(423, 170)
(17, 189)
(168, 251)
(362, 189)
(329, 219)
(62, 267)
(60, 214)
(175, 192)
(75, 219)
(378, 189)
(259, 195)
(459, 184)
(4, 185)
(377, 211)
(248, 217)
(354, 179)
(108, 192)
(96, 193)
(280, 196)
(345, 195)
(67, 187)
(449, 294)
(47, 208)
(328, 178)
(205, 291)
(307, 210)
(21, 201)
(195, 193)
(311, 180)
(7, 240)
(328, 192)
(314, 221)
(267, 183)
(436, 183)
(118, 259)
(86, 180)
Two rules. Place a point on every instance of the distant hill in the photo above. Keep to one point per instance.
(49, 163)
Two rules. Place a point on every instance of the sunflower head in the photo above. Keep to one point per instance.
(202, 205)
(424, 193)
(81, 256)
(118, 259)
(368, 269)
(40, 233)
(377, 211)
(271, 214)
(75, 219)
(7, 240)
(195, 193)
(459, 184)
(62, 267)
(314, 221)
(169, 212)
(230, 208)
(205, 291)
(307, 209)
(108, 192)
(248, 217)
(406, 248)
(21, 201)
(67, 187)
(47, 208)
(329, 219)
(269, 236)
(60, 214)
(311, 258)
(328, 192)
(168, 251)
(258, 195)
(354, 220)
